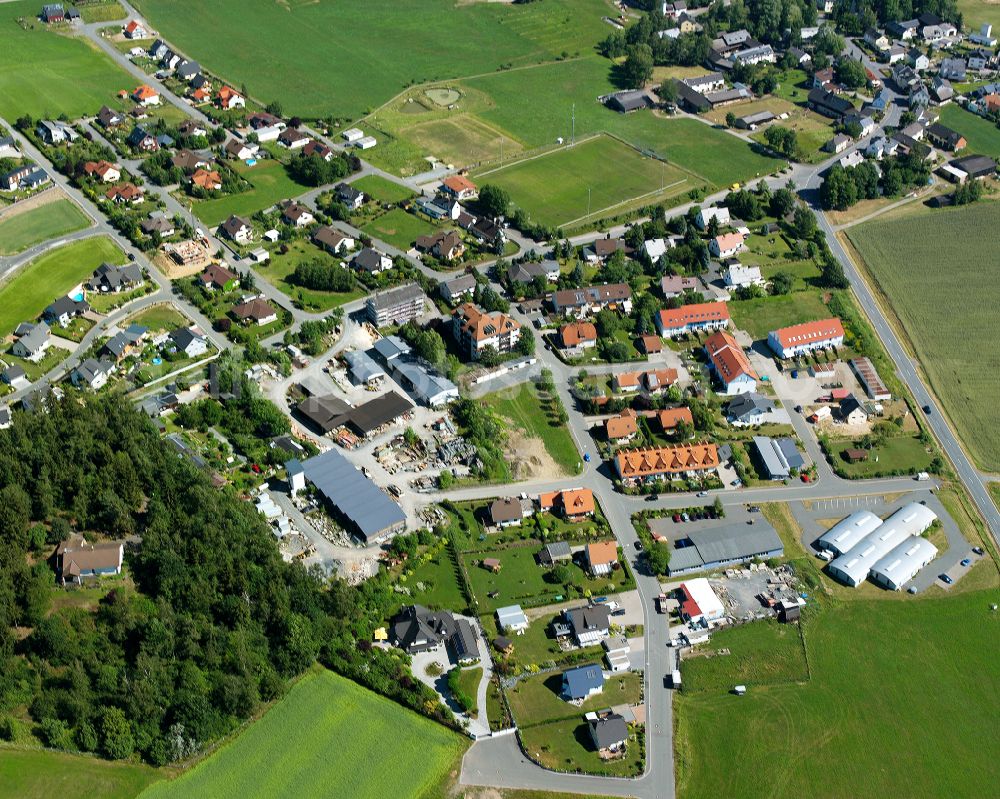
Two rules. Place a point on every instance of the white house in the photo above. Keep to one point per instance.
(705, 215)
(726, 245)
(740, 276)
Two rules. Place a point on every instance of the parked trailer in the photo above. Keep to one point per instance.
(675, 679)
(661, 603)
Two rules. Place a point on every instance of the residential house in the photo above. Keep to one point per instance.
(555, 552)
(626, 102)
(229, 98)
(35, 179)
(676, 285)
(459, 187)
(588, 625)
(578, 336)
(697, 317)
(877, 39)
(918, 59)
(608, 732)
(257, 311)
(622, 428)
(601, 557)
(115, 279)
(665, 463)
(241, 150)
(574, 505)
(295, 214)
(417, 629)
(124, 193)
(349, 196)
(799, 56)
(730, 364)
(602, 249)
(457, 288)
(749, 409)
(52, 13)
(739, 276)
(78, 560)
(140, 139)
(585, 301)
(511, 619)
(332, 240)
(952, 69)
(318, 149)
(237, 229)
(582, 682)
(904, 30)
(32, 341)
(146, 95)
(487, 232)
(135, 30)
(371, 261)
(726, 245)
(506, 512)
(852, 411)
(107, 118)
(209, 180)
(761, 54)
(56, 132)
(12, 180)
(293, 139)
(188, 161)
(92, 373)
(828, 104)
(980, 59)
(190, 341)
(528, 271)
(102, 170)
(15, 377)
(705, 215)
(790, 342)
(671, 418)
(653, 381)
(218, 277)
(838, 143)
(474, 330)
(186, 70)
(65, 310)
(443, 245)
(945, 138)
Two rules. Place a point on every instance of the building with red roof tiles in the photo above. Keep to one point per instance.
(659, 463)
(693, 318)
(789, 342)
(730, 364)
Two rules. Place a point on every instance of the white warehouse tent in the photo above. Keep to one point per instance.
(848, 532)
(902, 564)
(853, 566)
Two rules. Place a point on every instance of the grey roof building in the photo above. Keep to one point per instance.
(748, 408)
(555, 552)
(418, 629)
(778, 456)
(582, 681)
(608, 731)
(363, 367)
(719, 547)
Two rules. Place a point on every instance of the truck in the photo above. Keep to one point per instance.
(921, 476)
(661, 603)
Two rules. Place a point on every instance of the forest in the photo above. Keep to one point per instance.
(210, 623)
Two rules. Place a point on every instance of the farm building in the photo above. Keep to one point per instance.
(729, 545)
(365, 510)
(902, 563)
(849, 531)
(699, 603)
(854, 565)
(873, 385)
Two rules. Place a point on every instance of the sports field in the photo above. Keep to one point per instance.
(938, 285)
(367, 51)
(19, 232)
(44, 74)
(34, 774)
(50, 276)
(594, 178)
(270, 182)
(899, 696)
(312, 744)
(983, 137)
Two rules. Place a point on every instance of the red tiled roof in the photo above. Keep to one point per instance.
(698, 313)
(669, 418)
(809, 332)
(667, 460)
(572, 335)
(728, 357)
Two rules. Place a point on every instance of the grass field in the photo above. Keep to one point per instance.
(566, 745)
(369, 50)
(906, 453)
(24, 230)
(311, 741)
(160, 317)
(32, 774)
(270, 182)
(382, 190)
(904, 256)
(983, 137)
(537, 700)
(44, 74)
(279, 269)
(976, 12)
(398, 228)
(529, 410)
(899, 696)
(588, 180)
(762, 315)
(51, 275)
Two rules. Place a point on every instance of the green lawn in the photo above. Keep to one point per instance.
(270, 182)
(905, 256)
(435, 583)
(24, 230)
(899, 697)
(537, 700)
(161, 317)
(762, 315)
(398, 228)
(534, 413)
(976, 12)
(50, 276)
(567, 746)
(102, 12)
(328, 731)
(574, 184)
(45, 74)
(905, 454)
(279, 269)
(983, 136)
(468, 681)
(382, 190)
(415, 41)
(762, 653)
(537, 646)
(32, 774)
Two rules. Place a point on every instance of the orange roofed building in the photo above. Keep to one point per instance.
(459, 187)
(730, 364)
(229, 98)
(790, 342)
(602, 557)
(652, 380)
(578, 336)
(669, 418)
(574, 505)
(692, 318)
(622, 427)
(475, 330)
(656, 463)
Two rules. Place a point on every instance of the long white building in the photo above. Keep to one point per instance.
(854, 565)
(847, 532)
(902, 564)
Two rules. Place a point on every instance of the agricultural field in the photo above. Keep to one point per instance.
(310, 741)
(868, 711)
(35, 774)
(534, 413)
(904, 254)
(983, 136)
(398, 228)
(270, 183)
(595, 178)
(51, 275)
(22, 231)
(431, 40)
(45, 74)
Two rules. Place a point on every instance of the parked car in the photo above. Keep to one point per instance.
(677, 517)
(702, 494)
(805, 477)
(977, 550)
(967, 562)
(652, 498)
(685, 517)
(619, 612)
(911, 590)
(638, 546)
(946, 579)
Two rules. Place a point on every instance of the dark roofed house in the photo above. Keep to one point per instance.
(349, 196)
(626, 102)
(65, 309)
(506, 512)
(77, 559)
(116, 278)
(216, 276)
(608, 731)
(237, 229)
(589, 625)
(828, 104)
(582, 682)
(945, 138)
(555, 552)
(107, 118)
(256, 311)
(417, 629)
(976, 166)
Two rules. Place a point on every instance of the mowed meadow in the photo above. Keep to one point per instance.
(45, 74)
(900, 701)
(327, 737)
(343, 58)
(934, 267)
